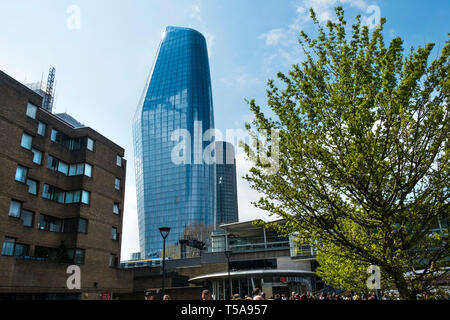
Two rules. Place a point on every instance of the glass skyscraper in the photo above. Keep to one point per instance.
(227, 203)
(177, 98)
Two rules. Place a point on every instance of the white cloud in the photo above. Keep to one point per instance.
(272, 37)
(195, 11)
(288, 49)
(324, 9)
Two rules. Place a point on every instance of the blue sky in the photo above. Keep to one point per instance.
(103, 61)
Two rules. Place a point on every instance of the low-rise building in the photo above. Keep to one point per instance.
(257, 258)
(61, 202)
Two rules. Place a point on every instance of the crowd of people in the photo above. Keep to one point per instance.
(258, 294)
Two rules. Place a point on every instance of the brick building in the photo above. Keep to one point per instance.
(61, 202)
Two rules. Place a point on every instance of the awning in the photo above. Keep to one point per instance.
(254, 273)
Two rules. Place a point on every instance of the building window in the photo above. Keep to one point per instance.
(31, 110)
(63, 167)
(52, 163)
(119, 161)
(82, 225)
(85, 197)
(72, 197)
(37, 156)
(47, 192)
(21, 174)
(54, 136)
(21, 250)
(44, 253)
(8, 246)
(73, 170)
(116, 208)
(32, 186)
(27, 218)
(15, 208)
(70, 225)
(117, 184)
(114, 233)
(42, 127)
(112, 260)
(77, 169)
(90, 144)
(57, 254)
(49, 223)
(79, 256)
(72, 143)
(26, 142)
(55, 194)
(87, 170)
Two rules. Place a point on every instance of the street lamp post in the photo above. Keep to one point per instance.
(228, 254)
(164, 233)
(220, 202)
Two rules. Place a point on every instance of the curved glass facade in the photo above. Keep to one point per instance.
(177, 96)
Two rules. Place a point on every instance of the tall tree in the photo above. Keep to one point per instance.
(358, 135)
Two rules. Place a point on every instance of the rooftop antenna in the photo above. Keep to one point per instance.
(48, 96)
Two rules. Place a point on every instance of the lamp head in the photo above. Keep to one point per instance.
(164, 231)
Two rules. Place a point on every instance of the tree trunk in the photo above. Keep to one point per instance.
(405, 292)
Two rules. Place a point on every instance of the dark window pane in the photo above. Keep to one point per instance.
(70, 225)
(37, 156)
(32, 186)
(21, 250)
(41, 128)
(31, 110)
(79, 256)
(27, 218)
(114, 233)
(21, 174)
(14, 209)
(82, 226)
(116, 208)
(8, 246)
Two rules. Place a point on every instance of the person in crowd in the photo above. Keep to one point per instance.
(206, 295)
(166, 297)
(149, 296)
(257, 294)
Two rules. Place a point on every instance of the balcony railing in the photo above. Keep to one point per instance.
(303, 252)
(246, 247)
